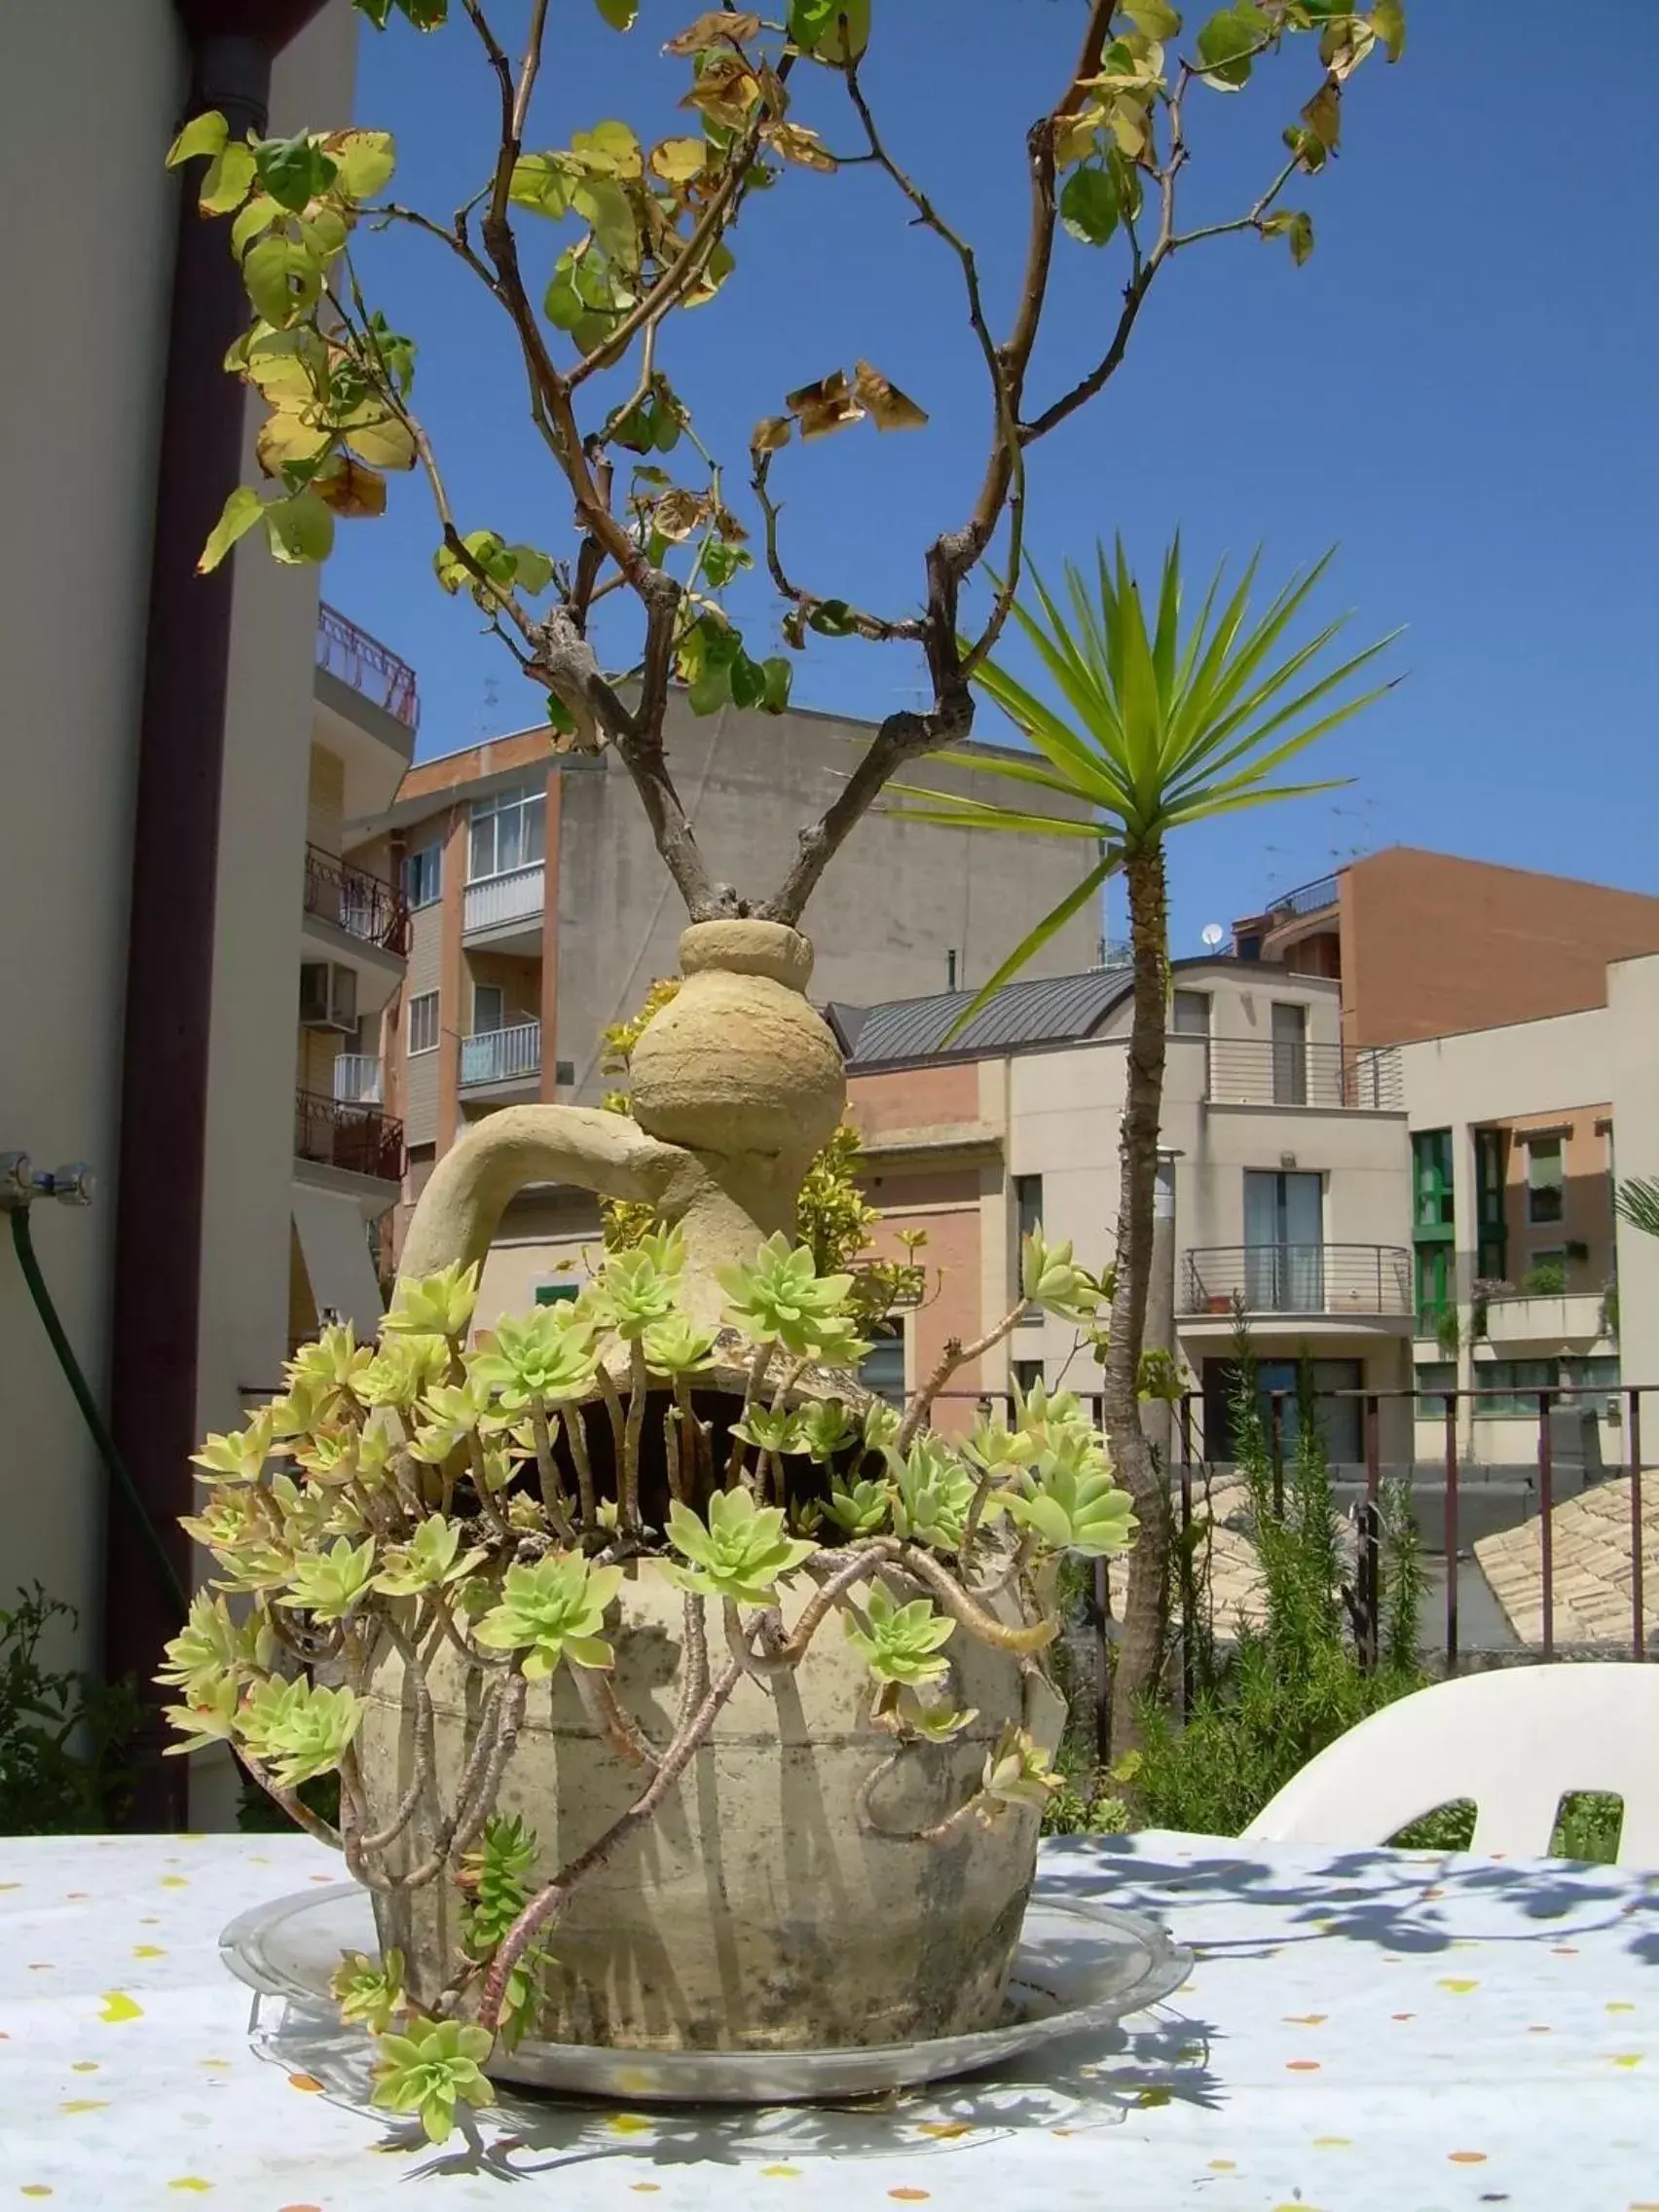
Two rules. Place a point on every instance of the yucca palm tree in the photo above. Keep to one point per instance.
(1153, 730)
(1637, 1202)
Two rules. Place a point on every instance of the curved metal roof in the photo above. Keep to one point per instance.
(1044, 1010)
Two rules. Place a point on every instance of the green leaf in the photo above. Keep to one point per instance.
(1154, 19)
(202, 135)
(1296, 228)
(425, 15)
(748, 682)
(295, 170)
(240, 511)
(542, 181)
(1308, 150)
(283, 280)
(559, 717)
(300, 528)
(532, 570)
(606, 207)
(832, 619)
(256, 217)
(618, 13)
(779, 675)
(816, 26)
(1224, 44)
(1389, 22)
(1323, 115)
(710, 689)
(228, 176)
(1089, 205)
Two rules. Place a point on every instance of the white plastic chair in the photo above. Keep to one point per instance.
(1515, 1741)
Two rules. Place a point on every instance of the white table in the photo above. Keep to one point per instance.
(1367, 2031)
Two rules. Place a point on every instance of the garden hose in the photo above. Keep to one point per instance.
(23, 1243)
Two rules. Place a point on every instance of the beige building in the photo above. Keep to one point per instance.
(540, 912)
(1524, 1281)
(1290, 1169)
(124, 355)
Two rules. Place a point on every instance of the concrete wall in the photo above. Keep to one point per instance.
(92, 257)
(418, 1076)
(1632, 1005)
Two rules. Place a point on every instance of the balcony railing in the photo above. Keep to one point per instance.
(359, 1139)
(356, 1080)
(1333, 1279)
(364, 905)
(511, 897)
(502, 1055)
(1258, 1070)
(367, 666)
(1305, 898)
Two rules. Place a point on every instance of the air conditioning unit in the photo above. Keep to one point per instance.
(328, 996)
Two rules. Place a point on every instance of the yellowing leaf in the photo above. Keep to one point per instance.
(719, 28)
(1389, 21)
(677, 515)
(770, 434)
(365, 161)
(678, 160)
(283, 280)
(892, 409)
(726, 91)
(202, 135)
(240, 511)
(225, 182)
(824, 406)
(386, 444)
(284, 438)
(618, 13)
(799, 144)
(255, 218)
(1323, 115)
(1074, 134)
(119, 2006)
(609, 148)
(350, 488)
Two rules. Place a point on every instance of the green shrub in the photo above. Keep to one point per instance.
(63, 1735)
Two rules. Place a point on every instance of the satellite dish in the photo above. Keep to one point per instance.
(1213, 935)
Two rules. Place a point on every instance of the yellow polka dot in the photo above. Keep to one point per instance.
(1333, 2143)
(193, 2184)
(118, 2006)
(1458, 1988)
(781, 2173)
(1224, 2165)
(944, 2130)
(306, 2081)
(212, 2062)
(1627, 2058)
(84, 2104)
(910, 2195)
(16, 1886)
(1306, 2019)
(85, 2065)
(148, 1951)
(1620, 2007)
(31, 2188)
(177, 1882)
(628, 2123)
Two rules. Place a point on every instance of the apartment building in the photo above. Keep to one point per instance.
(1524, 1281)
(347, 1169)
(1426, 944)
(540, 912)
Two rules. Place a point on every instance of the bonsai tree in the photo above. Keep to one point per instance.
(1161, 723)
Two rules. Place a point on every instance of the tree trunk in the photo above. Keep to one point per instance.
(1146, 1604)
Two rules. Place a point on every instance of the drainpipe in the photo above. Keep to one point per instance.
(175, 848)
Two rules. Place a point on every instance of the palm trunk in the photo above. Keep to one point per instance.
(1146, 1604)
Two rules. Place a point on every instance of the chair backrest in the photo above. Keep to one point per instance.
(1515, 1740)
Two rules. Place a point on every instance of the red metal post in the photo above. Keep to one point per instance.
(1451, 1531)
(1546, 1512)
(1373, 1511)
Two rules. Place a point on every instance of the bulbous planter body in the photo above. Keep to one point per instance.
(780, 1898)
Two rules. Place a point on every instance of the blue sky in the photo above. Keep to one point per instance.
(1458, 389)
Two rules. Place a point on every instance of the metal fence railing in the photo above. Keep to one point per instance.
(1334, 1280)
(1305, 898)
(364, 905)
(1260, 1071)
(367, 666)
(500, 1055)
(357, 1137)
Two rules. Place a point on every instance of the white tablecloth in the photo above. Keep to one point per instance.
(1364, 2030)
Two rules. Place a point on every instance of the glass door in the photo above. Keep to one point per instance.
(1290, 1054)
(1284, 1255)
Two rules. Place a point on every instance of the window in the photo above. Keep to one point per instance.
(488, 1009)
(1491, 1229)
(1515, 1385)
(1337, 1414)
(424, 875)
(1543, 1179)
(1431, 1179)
(1434, 1287)
(881, 1371)
(506, 832)
(564, 1071)
(1028, 1204)
(1284, 1257)
(423, 1022)
(1433, 1377)
(1290, 1054)
(1026, 1373)
(1191, 1013)
(555, 1293)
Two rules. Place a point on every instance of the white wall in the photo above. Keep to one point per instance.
(89, 254)
(1633, 1011)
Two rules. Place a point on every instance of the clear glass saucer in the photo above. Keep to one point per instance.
(1081, 1968)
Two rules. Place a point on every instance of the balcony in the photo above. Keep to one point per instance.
(503, 909)
(367, 667)
(501, 1056)
(1306, 899)
(357, 1079)
(358, 1138)
(1550, 1323)
(1335, 1282)
(1252, 1071)
(362, 906)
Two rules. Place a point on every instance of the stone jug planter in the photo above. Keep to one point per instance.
(787, 1892)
